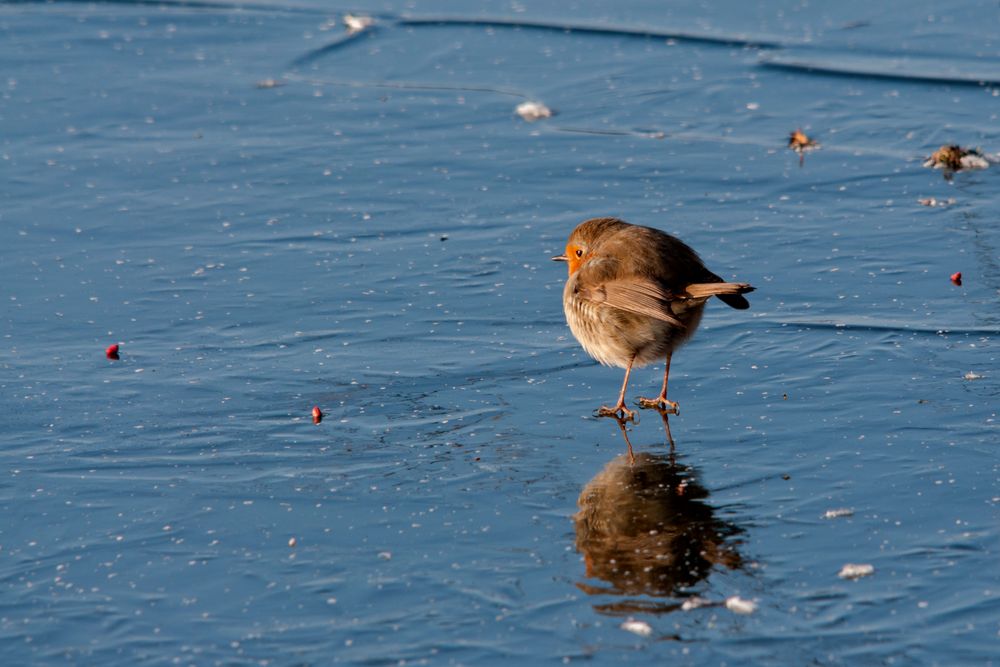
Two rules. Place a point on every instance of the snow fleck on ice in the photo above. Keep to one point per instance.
(856, 571)
(640, 628)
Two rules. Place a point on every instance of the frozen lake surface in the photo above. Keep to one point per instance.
(269, 212)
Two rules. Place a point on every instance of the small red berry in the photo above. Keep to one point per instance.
(112, 351)
(317, 414)
(957, 278)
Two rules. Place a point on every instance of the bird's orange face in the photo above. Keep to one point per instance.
(575, 255)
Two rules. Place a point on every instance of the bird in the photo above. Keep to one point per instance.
(800, 143)
(635, 294)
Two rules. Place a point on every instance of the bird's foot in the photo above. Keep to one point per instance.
(619, 412)
(661, 403)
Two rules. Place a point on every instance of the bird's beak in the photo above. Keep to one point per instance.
(560, 258)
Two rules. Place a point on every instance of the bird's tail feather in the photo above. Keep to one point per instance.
(729, 293)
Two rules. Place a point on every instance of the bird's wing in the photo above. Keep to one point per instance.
(635, 296)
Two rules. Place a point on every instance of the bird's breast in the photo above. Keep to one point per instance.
(614, 336)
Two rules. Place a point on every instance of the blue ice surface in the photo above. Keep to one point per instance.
(269, 213)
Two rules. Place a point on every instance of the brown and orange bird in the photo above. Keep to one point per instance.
(801, 144)
(634, 294)
(952, 158)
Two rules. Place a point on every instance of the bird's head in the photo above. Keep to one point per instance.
(575, 254)
(583, 239)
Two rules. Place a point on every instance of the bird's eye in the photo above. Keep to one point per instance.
(579, 252)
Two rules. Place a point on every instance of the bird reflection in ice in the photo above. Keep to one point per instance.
(645, 530)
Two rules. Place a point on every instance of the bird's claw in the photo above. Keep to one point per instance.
(659, 403)
(619, 412)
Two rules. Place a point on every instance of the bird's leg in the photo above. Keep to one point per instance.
(620, 411)
(665, 416)
(661, 402)
(628, 443)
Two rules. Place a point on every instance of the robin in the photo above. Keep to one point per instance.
(801, 144)
(633, 295)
